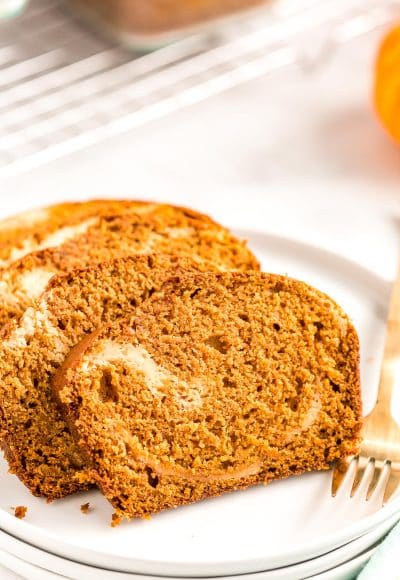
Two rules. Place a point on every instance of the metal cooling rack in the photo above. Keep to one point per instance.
(63, 87)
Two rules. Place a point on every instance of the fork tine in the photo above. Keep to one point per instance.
(340, 470)
(365, 473)
(375, 483)
(379, 481)
(391, 486)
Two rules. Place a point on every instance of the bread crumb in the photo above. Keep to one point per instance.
(85, 508)
(115, 520)
(20, 512)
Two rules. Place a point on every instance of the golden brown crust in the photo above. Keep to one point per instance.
(160, 228)
(28, 231)
(35, 230)
(217, 382)
(38, 446)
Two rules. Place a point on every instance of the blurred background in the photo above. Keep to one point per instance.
(266, 119)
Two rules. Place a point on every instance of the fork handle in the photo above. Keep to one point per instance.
(390, 373)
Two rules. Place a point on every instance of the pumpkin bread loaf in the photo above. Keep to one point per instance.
(217, 382)
(36, 440)
(161, 229)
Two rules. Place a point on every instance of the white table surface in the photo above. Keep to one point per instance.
(8, 575)
(294, 154)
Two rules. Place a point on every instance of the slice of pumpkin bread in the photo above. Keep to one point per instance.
(50, 226)
(36, 440)
(216, 383)
(161, 229)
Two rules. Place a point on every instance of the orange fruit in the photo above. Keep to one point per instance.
(387, 83)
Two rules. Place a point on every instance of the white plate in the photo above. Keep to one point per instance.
(346, 571)
(25, 569)
(257, 529)
(76, 571)
(349, 570)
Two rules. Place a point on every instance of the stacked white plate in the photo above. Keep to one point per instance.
(288, 530)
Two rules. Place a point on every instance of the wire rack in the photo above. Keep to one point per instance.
(63, 87)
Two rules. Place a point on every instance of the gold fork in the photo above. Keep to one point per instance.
(377, 466)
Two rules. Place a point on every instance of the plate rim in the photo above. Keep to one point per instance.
(12, 543)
